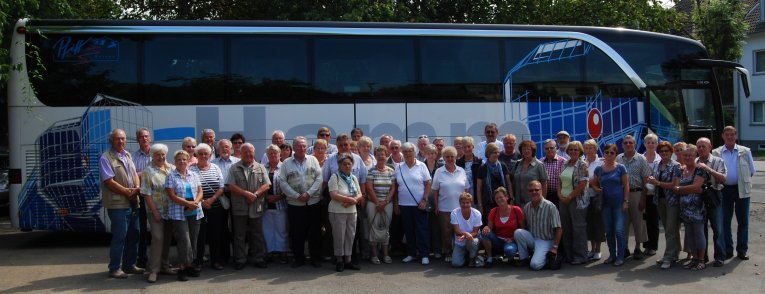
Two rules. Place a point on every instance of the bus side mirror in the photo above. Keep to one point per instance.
(744, 75)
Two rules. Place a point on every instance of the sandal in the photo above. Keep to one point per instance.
(690, 264)
(700, 265)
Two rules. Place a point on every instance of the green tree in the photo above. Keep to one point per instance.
(720, 26)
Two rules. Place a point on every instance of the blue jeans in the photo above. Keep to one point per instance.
(732, 203)
(416, 230)
(715, 217)
(509, 249)
(613, 220)
(458, 253)
(124, 247)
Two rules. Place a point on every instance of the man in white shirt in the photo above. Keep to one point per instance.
(491, 131)
(563, 138)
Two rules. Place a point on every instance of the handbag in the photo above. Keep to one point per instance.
(710, 196)
(428, 208)
(378, 227)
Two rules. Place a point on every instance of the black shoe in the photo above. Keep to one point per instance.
(297, 263)
(316, 263)
(743, 257)
(340, 267)
(182, 276)
(192, 272)
(718, 263)
(637, 255)
(260, 264)
(239, 266)
(352, 266)
(728, 256)
(141, 262)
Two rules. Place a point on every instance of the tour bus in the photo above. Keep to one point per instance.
(253, 77)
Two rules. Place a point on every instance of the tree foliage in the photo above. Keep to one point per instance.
(720, 26)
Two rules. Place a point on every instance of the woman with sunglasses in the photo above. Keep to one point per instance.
(189, 144)
(574, 178)
(612, 181)
(666, 173)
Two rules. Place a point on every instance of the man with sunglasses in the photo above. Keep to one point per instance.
(543, 229)
(326, 134)
(491, 131)
(638, 171)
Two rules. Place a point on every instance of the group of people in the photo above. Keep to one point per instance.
(352, 201)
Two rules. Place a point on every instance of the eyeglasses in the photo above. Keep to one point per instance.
(534, 190)
(549, 148)
(609, 152)
(323, 134)
(628, 142)
(189, 146)
(237, 142)
(665, 151)
(423, 137)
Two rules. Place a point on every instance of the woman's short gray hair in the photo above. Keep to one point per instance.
(202, 147)
(342, 157)
(157, 148)
(467, 140)
(273, 148)
(407, 146)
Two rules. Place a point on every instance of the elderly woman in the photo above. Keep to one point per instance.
(651, 215)
(380, 207)
(365, 151)
(345, 192)
(499, 231)
(275, 216)
(184, 190)
(153, 180)
(665, 177)
(188, 145)
(469, 162)
(466, 222)
(432, 162)
(237, 140)
(449, 182)
(574, 179)
(692, 209)
(596, 233)
(612, 181)
(320, 150)
(458, 146)
(528, 169)
(211, 230)
(413, 186)
(492, 175)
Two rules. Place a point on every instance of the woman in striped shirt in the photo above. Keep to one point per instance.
(213, 225)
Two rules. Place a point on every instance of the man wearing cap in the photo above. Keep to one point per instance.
(563, 137)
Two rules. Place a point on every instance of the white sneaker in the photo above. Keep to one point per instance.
(595, 256)
(425, 261)
(408, 259)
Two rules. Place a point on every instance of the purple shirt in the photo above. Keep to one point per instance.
(105, 168)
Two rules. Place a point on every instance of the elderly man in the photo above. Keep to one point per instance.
(326, 134)
(224, 161)
(736, 192)
(509, 156)
(396, 157)
(360, 171)
(119, 193)
(422, 142)
(638, 171)
(248, 182)
(385, 140)
(277, 138)
(491, 131)
(715, 167)
(208, 137)
(439, 143)
(543, 229)
(300, 179)
(553, 164)
(563, 138)
(142, 159)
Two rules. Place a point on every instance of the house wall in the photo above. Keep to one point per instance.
(751, 134)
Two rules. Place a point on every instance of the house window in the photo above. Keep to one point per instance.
(758, 112)
(759, 61)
